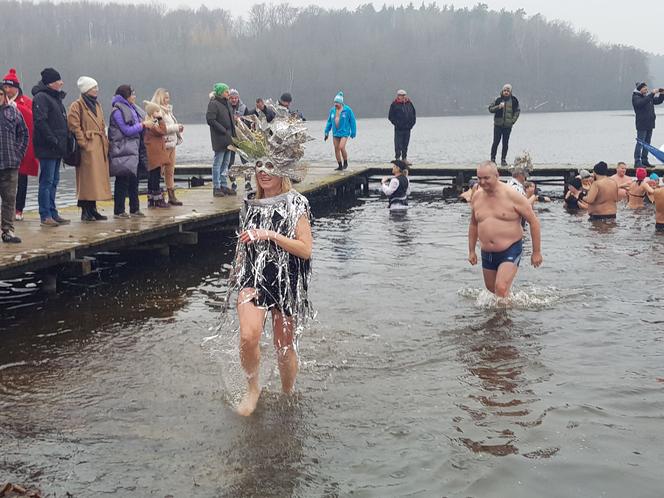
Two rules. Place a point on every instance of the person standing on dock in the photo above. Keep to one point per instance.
(50, 138)
(403, 118)
(14, 141)
(86, 122)
(173, 138)
(29, 165)
(124, 134)
(220, 119)
(157, 153)
(341, 121)
(240, 110)
(497, 210)
(506, 112)
(603, 195)
(644, 102)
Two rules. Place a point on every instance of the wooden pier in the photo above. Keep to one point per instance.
(70, 249)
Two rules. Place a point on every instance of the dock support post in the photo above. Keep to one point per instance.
(50, 282)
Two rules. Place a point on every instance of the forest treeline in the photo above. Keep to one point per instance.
(450, 60)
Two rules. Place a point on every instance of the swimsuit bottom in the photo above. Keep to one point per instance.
(659, 227)
(601, 217)
(492, 260)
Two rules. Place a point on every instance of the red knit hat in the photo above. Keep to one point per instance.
(11, 79)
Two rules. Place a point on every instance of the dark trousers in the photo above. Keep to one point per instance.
(500, 133)
(640, 153)
(401, 140)
(154, 177)
(8, 181)
(126, 186)
(21, 192)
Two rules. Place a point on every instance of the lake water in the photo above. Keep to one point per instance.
(413, 383)
(577, 138)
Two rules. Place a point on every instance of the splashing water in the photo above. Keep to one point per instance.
(528, 298)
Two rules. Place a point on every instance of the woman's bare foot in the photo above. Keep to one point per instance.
(249, 402)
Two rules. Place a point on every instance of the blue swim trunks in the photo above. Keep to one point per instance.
(492, 260)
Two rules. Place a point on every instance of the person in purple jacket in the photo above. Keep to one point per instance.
(124, 136)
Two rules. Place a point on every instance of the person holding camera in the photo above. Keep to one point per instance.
(506, 112)
(644, 102)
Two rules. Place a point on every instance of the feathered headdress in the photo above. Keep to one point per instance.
(279, 143)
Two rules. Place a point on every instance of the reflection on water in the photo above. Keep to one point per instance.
(503, 365)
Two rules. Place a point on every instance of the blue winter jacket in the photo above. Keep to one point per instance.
(347, 124)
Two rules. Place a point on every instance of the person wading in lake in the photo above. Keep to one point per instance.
(397, 188)
(506, 112)
(497, 210)
(644, 102)
(658, 199)
(638, 189)
(403, 118)
(271, 268)
(622, 180)
(603, 195)
(341, 121)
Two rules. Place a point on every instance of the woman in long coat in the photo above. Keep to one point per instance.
(172, 139)
(86, 121)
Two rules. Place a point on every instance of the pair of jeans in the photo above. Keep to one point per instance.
(154, 177)
(220, 164)
(640, 153)
(21, 192)
(8, 181)
(500, 133)
(401, 140)
(49, 177)
(126, 186)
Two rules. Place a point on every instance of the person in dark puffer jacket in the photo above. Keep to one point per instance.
(50, 141)
(402, 116)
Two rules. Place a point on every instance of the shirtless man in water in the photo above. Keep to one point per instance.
(658, 197)
(497, 210)
(603, 195)
(622, 180)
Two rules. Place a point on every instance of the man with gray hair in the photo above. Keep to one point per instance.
(506, 112)
(402, 116)
(518, 180)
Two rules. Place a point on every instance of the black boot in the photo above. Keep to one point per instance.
(97, 215)
(345, 164)
(340, 167)
(86, 214)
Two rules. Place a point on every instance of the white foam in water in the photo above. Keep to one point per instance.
(529, 298)
(224, 350)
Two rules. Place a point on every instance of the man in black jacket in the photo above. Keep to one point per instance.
(402, 116)
(50, 141)
(644, 103)
(220, 119)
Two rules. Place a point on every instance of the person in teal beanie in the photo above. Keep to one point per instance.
(341, 121)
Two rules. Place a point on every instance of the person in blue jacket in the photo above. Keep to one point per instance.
(341, 121)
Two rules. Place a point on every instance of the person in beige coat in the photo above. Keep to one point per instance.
(85, 121)
(158, 155)
(172, 139)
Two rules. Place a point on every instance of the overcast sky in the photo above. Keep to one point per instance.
(611, 21)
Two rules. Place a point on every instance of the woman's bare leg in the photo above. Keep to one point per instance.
(282, 328)
(252, 319)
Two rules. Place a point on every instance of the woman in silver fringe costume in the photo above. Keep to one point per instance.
(271, 270)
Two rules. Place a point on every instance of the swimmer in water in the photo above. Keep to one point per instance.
(397, 188)
(658, 197)
(603, 195)
(495, 219)
(574, 196)
(638, 189)
(533, 195)
(467, 196)
(622, 180)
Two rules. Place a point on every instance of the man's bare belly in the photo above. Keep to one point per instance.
(497, 235)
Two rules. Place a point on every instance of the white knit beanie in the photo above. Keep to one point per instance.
(85, 84)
